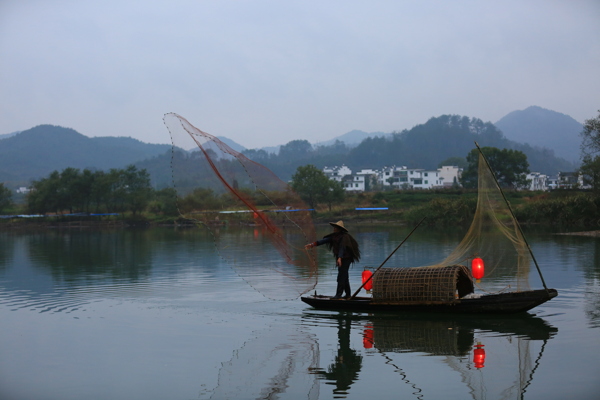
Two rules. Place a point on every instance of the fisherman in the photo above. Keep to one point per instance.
(345, 250)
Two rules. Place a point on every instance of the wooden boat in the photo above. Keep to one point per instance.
(503, 303)
(450, 286)
(440, 289)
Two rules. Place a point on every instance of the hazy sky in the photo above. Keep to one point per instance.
(266, 72)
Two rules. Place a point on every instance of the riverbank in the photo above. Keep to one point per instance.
(124, 223)
(562, 210)
(586, 233)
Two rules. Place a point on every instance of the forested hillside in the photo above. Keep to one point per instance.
(424, 146)
(36, 152)
(444, 137)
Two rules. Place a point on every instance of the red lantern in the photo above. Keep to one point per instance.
(479, 356)
(366, 275)
(477, 268)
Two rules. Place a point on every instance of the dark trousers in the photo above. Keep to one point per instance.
(343, 281)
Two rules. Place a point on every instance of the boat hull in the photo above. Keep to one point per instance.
(503, 303)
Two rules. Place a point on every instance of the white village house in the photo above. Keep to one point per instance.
(450, 175)
(564, 180)
(337, 173)
(401, 177)
(397, 177)
(537, 181)
(23, 190)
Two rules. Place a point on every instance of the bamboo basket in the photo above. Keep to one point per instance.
(422, 285)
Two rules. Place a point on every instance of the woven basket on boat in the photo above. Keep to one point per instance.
(422, 285)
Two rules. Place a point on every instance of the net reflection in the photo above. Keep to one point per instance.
(271, 365)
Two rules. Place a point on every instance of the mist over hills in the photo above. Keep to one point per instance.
(36, 152)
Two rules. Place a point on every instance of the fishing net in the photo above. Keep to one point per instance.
(240, 202)
(495, 237)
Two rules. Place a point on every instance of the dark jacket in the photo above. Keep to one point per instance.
(342, 244)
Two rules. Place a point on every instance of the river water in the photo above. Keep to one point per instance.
(158, 314)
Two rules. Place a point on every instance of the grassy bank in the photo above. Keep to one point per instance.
(457, 207)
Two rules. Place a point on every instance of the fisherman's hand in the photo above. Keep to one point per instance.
(309, 246)
(339, 262)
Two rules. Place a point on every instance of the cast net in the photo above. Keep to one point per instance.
(495, 237)
(259, 225)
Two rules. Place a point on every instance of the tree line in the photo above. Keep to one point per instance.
(590, 150)
(76, 191)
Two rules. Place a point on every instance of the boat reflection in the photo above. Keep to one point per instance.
(496, 357)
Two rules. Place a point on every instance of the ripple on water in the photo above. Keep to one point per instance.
(66, 297)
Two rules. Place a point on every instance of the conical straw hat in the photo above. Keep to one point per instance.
(339, 224)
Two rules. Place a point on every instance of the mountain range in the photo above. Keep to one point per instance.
(36, 152)
(550, 139)
(535, 126)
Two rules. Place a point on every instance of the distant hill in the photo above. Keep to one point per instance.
(544, 128)
(352, 138)
(234, 145)
(271, 149)
(36, 152)
(440, 138)
(424, 146)
(7, 135)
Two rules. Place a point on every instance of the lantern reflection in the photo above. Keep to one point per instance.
(368, 337)
(479, 355)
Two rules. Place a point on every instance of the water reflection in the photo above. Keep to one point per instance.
(67, 255)
(6, 251)
(495, 357)
(64, 270)
(169, 282)
(344, 369)
(273, 364)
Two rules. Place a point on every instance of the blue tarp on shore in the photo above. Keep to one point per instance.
(56, 215)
